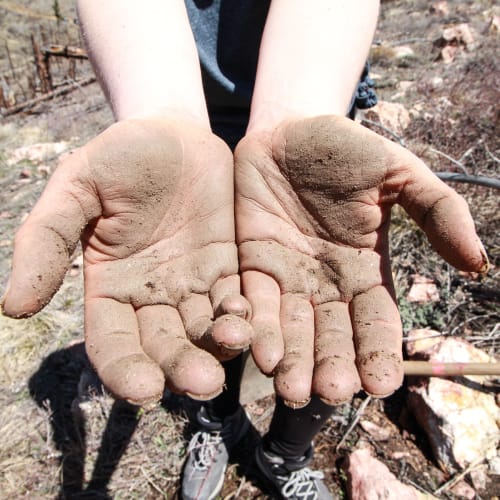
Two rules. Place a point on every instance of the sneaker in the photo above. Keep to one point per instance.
(292, 479)
(208, 454)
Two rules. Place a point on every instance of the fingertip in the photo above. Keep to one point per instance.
(232, 332)
(335, 380)
(381, 373)
(267, 348)
(292, 384)
(195, 373)
(235, 305)
(19, 306)
(134, 378)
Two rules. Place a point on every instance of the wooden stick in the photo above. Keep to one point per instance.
(65, 51)
(45, 97)
(440, 369)
(41, 67)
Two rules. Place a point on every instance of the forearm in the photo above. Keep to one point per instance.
(311, 57)
(145, 57)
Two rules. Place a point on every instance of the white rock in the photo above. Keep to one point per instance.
(392, 115)
(37, 153)
(461, 421)
(403, 52)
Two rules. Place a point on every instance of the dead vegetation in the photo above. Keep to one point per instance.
(60, 437)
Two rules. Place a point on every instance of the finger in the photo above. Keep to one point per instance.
(188, 370)
(263, 294)
(227, 299)
(443, 214)
(113, 347)
(293, 375)
(335, 377)
(45, 242)
(225, 338)
(378, 340)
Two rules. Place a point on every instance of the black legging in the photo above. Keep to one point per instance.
(291, 431)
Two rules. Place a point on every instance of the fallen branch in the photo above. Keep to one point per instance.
(480, 180)
(49, 95)
(65, 51)
(451, 369)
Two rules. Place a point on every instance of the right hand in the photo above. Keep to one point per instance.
(153, 203)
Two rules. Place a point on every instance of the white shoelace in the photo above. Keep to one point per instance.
(203, 445)
(300, 484)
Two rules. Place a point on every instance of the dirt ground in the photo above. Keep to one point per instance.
(61, 437)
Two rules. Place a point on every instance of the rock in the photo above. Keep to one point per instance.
(453, 39)
(403, 52)
(494, 25)
(432, 83)
(479, 477)
(376, 432)
(423, 290)
(44, 170)
(460, 419)
(422, 340)
(441, 8)
(391, 115)
(404, 85)
(463, 490)
(25, 173)
(370, 479)
(448, 53)
(459, 34)
(37, 153)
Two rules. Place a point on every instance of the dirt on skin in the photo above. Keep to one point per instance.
(313, 206)
(58, 438)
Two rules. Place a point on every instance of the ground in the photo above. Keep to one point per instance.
(60, 436)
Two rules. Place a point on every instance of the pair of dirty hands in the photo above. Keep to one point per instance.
(156, 204)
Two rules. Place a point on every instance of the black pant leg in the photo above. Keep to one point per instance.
(226, 403)
(292, 431)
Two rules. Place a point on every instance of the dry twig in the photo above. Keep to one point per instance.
(385, 129)
(449, 158)
(359, 414)
(455, 479)
(152, 483)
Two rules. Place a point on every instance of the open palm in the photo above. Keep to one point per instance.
(153, 203)
(313, 201)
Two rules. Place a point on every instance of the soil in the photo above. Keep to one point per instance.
(62, 437)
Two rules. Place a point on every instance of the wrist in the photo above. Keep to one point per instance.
(166, 113)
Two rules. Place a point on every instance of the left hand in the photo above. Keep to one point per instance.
(313, 202)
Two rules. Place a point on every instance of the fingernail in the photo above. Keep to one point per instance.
(6, 291)
(486, 263)
(295, 405)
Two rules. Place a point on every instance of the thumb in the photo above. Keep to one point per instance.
(441, 213)
(45, 242)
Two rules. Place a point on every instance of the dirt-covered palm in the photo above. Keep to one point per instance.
(313, 201)
(153, 204)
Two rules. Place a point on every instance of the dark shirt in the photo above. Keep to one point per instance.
(228, 34)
